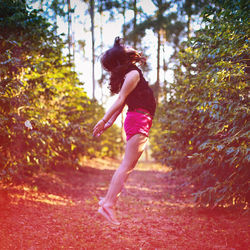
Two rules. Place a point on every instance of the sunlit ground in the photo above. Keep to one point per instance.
(59, 210)
(32, 193)
(142, 165)
(28, 193)
(152, 166)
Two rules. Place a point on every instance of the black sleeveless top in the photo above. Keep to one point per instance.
(142, 96)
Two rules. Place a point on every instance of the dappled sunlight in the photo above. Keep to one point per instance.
(152, 166)
(166, 203)
(58, 201)
(113, 164)
(101, 163)
(26, 193)
(52, 176)
(145, 189)
(148, 195)
(151, 207)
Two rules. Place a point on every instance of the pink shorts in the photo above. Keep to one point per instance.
(137, 123)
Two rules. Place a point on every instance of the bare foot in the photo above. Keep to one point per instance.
(108, 213)
(104, 214)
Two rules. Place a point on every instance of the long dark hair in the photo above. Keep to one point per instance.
(116, 61)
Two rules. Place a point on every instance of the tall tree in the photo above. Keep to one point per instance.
(101, 6)
(123, 12)
(190, 8)
(69, 31)
(54, 9)
(92, 16)
(91, 9)
(158, 22)
(100, 11)
(135, 22)
(108, 7)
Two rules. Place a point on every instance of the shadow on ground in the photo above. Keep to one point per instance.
(57, 210)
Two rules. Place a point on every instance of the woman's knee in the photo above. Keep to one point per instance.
(126, 167)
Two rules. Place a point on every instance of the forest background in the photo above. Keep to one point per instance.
(200, 51)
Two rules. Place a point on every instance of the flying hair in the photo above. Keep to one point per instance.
(116, 60)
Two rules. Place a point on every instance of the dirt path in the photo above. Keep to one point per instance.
(57, 210)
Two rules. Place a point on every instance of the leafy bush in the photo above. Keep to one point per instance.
(46, 118)
(206, 129)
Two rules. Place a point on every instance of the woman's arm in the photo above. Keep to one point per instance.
(115, 115)
(110, 121)
(130, 82)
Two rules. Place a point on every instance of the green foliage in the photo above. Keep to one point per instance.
(38, 86)
(205, 126)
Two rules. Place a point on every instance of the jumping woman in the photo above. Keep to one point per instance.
(127, 80)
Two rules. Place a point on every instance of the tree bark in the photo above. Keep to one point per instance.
(123, 136)
(135, 22)
(92, 14)
(101, 38)
(69, 31)
(124, 19)
(157, 84)
(189, 26)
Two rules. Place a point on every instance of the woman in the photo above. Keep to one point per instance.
(127, 80)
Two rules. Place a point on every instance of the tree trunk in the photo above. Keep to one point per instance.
(135, 22)
(189, 26)
(69, 31)
(124, 20)
(101, 37)
(41, 4)
(123, 136)
(157, 84)
(165, 68)
(92, 14)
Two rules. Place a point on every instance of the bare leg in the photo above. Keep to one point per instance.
(133, 151)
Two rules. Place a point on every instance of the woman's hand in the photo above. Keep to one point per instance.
(107, 125)
(99, 128)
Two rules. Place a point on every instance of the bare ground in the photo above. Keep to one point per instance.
(58, 210)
